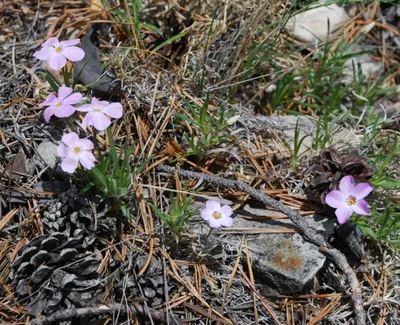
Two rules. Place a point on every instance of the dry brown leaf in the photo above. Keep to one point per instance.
(96, 6)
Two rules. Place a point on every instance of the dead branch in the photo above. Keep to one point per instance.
(68, 314)
(308, 232)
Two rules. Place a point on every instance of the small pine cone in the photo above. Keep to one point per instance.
(330, 166)
(54, 272)
(151, 283)
(71, 215)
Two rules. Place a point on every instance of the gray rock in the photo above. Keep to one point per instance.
(318, 22)
(286, 125)
(322, 225)
(46, 155)
(284, 264)
(365, 63)
(349, 238)
(89, 71)
(52, 186)
(149, 292)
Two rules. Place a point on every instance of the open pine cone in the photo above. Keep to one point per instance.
(73, 216)
(331, 166)
(54, 272)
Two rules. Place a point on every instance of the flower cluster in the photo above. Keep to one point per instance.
(73, 150)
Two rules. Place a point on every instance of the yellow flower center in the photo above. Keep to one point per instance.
(97, 109)
(351, 200)
(58, 49)
(217, 215)
(58, 104)
(77, 150)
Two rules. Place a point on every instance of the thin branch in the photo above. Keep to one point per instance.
(302, 224)
(68, 314)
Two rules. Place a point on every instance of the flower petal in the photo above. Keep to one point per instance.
(87, 120)
(62, 150)
(85, 144)
(335, 199)
(100, 121)
(214, 223)
(43, 54)
(347, 185)
(70, 42)
(206, 214)
(114, 110)
(361, 207)
(73, 53)
(87, 159)
(85, 108)
(50, 100)
(48, 113)
(226, 221)
(213, 205)
(69, 139)
(64, 92)
(343, 213)
(73, 99)
(57, 61)
(226, 211)
(362, 190)
(64, 110)
(103, 103)
(96, 102)
(51, 42)
(70, 163)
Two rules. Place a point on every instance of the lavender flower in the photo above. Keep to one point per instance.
(99, 113)
(217, 215)
(74, 151)
(57, 53)
(349, 199)
(61, 105)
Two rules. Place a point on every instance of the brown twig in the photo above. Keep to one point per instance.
(308, 232)
(68, 314)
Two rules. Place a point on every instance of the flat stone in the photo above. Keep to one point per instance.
(286, 126)
(363, 63)
(46, 155)
(317, 23)
(283, 263)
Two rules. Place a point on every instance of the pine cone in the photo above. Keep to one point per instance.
(331, 166)
(151, 283)
(71, 215)
(46, 274)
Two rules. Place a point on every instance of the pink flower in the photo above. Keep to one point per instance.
(57, 53)
(74, 151)
(100, 113)
(217, 215)
(349, 199)
(60, 106)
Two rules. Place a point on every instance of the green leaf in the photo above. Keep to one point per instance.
(125, 211)
(160, 214)
(150, 27)
(367, 230)
(113, 152)
(100, 180)
(53, 82)
(387, 182)
(169, 41)
(88, 187)
(67, 76)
